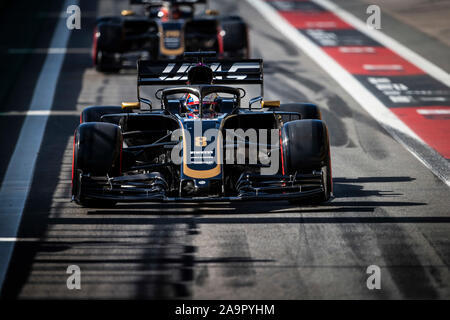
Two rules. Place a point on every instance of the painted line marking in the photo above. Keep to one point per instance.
(64, 15)
(41, 113)
(18, 177)
(325, 20)
(368, 101)
(49, 51)
(378, 67)
(321, 25)
(384, 63)
(357, 49)
(434, 99)
(433, 111)
(13, 239)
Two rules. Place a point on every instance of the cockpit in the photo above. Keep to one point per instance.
(167, 11)
(208, 101)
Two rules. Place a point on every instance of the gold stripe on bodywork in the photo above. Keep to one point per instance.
(162, 47)
(201, 174)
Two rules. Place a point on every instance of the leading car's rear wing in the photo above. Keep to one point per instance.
(169, 1)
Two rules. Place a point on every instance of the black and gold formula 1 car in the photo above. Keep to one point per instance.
(197, 134)
(157, 29)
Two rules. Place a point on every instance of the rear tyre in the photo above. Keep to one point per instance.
(306, 149)
(307, 110)
(235, 39)
(106, 62)
(107, 42)
(97, 151)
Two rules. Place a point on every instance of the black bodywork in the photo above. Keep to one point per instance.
(119, 41)
(141, 166)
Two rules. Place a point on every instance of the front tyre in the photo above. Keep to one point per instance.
(306, 149)
(97, 151)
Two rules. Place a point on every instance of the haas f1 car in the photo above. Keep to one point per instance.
(196, 135)
(165, 30)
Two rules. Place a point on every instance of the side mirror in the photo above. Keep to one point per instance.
(254, 100)
(270, 104)
(211, 12)
(147, 104)
(130, 105)
(127, 13)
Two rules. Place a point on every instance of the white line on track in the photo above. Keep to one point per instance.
(399, 130)
(41, 113)
(382, 67)
(49, 51)
(14, 239)
(17, 180)
(63, 14)
(434, 111)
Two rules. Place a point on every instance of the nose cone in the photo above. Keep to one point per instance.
(201, 187)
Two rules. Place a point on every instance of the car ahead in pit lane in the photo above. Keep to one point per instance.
(175, 151)
(166, 29)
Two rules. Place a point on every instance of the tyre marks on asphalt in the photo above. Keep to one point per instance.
(234, 246)
(417, 270)
(407, 271)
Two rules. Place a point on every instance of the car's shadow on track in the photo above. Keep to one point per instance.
(193, 265)
(353, 187)
(265, 208)
(168, 249)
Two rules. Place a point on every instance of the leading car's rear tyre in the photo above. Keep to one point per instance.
(307, 110)
(96, 151)
(235, 39)
(306, 148)
(106, 62)
(107, 42)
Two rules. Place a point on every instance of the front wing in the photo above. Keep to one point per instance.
(147, 188)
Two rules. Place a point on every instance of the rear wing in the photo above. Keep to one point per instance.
(179, 2)
(172, 73)
(175, 72)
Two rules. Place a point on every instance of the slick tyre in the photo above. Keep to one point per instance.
(107, 41)
(97, 151)
(235, 40)
(307, 110)
(306, 148)
(106, 62)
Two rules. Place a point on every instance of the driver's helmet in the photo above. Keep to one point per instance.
(192, 104)
(210, 105)
(163, 13)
